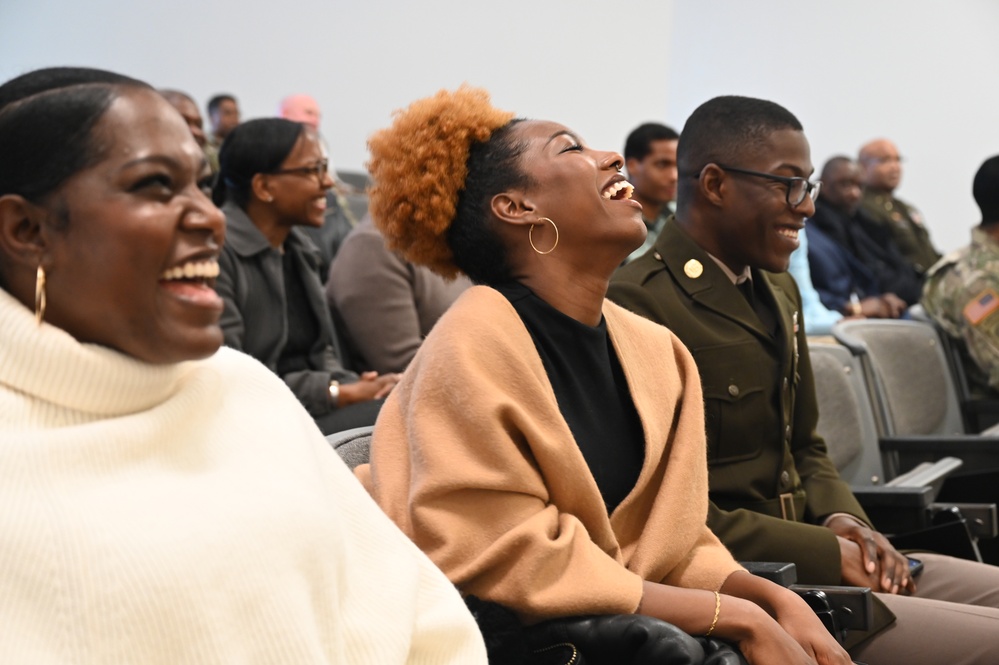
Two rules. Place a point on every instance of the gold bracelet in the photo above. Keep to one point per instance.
(714, 622)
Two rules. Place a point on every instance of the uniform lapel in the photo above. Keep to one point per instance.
(703, 281)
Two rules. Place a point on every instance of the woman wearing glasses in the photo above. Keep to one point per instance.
(273, 177)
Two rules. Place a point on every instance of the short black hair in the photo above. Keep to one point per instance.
(986, 190)
(255, 146)
(639, 142)
(215, 102)
(722, 130)
(834, 162)
(173, 96)
(47, 118)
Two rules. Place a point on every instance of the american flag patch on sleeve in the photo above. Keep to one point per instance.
(981, 306)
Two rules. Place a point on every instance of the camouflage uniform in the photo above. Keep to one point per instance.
(211, 151)
(962, 295)
(906, 226)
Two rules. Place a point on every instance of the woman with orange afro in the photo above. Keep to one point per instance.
(545, 447)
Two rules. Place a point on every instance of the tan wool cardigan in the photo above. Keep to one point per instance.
(472, 458)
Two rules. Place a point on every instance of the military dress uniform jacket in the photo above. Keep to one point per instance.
(906, 227)
(766, 462)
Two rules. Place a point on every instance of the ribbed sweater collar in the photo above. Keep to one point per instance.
(50, 365)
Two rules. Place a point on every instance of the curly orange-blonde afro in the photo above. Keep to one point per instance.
(418, 166)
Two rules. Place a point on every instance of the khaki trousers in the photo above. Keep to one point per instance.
(952, 619)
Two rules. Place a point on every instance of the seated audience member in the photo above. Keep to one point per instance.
(387, 305)
(881, 173)
(301, 108)
(223, 115)
(273, 179)
(716, 278)
(166, 500)
(819, 319)
(840, 216)
(839, 247)
(546, 447)
(188, 110)
(339, 219)
(650, 162)
(962, 290)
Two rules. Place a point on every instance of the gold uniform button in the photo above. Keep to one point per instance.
(733, 390)
(693, 269)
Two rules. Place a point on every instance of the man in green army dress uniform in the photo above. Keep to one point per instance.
(881, 172)
(962, 290)
(716, 277)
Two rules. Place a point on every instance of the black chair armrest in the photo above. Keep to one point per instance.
(895, 497)
(840, 608)
(853, 605)
(896, 509)
(979, 453)
(782, 573)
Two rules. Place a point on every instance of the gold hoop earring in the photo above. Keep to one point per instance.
(39, 295)
(530, 236)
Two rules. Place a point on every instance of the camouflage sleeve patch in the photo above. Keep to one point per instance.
(981, 307)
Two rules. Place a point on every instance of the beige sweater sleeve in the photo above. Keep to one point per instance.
(473, 460)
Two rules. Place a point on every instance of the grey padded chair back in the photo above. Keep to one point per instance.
(352, 445)
(846, 419)
(847, 424)
(951, 351)
(910, 374)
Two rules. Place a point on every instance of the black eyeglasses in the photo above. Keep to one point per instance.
(797, 188)
(319, 170)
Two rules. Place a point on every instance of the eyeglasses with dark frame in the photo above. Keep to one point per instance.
(319, 170)
(797, 188)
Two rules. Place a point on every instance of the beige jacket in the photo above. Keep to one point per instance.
(473, 460)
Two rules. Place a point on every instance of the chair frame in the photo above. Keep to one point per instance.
(901, 505)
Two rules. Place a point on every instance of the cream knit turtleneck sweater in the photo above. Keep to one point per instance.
(193, 513)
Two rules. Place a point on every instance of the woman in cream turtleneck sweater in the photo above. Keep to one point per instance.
(166, 501)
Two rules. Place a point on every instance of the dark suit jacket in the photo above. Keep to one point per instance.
(836, 274)
(251, 283)
(872, 245)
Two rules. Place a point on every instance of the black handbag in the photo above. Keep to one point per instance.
(613, 639)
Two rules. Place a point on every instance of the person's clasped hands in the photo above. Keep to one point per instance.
(868, 559)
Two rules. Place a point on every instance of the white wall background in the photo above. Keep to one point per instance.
(921, 72)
